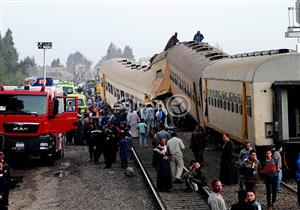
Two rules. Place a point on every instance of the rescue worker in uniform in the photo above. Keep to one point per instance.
(108, 147)
(89, 127)
(97, 141)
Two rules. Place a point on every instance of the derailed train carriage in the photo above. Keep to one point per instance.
(123, 79)
(250, 96)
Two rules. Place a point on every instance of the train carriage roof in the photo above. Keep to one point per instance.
(192, 57)
(128, 74)
(263, 67)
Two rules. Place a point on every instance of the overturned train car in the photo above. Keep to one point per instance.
(250, 96)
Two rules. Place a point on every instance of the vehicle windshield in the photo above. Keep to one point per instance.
(80, 102)
(68, 89)
(71, 102)
(23, 104)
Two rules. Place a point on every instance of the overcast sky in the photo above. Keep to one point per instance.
(89, 26)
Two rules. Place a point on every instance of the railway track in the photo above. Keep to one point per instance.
(178, 198)
(288, 187)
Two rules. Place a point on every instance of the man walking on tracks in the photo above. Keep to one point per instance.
(176, 146)
(162, 134)
(215, 199)
(198, 144)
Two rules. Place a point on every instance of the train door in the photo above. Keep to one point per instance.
(286, 110)
(197, 102)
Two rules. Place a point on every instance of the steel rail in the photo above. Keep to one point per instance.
(148, 181)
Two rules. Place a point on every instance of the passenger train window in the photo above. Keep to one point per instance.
(241, 108)
(232, 107)
(159, 74)
(115, 92)
(231, 97)
(228, 106)
(248, 99)
(235, 98)
(208, 100)
(215, 102)
(236, 108)
(224, 105)
(239, 99)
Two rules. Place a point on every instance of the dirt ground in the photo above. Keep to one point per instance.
(75, 183)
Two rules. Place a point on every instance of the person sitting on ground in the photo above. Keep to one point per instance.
(242, 204)
(195, 177)
(251, 199)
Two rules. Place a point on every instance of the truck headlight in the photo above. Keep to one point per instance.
(44, 144)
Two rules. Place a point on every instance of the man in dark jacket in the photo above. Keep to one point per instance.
(196, 177)
(4, 184)
(228, 170)
(198, 37)
(172, 42)
(198, 144)
(242, 204)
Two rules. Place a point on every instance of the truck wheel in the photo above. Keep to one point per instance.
(50, 160)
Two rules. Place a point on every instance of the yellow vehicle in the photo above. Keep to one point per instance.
(82, 102)
(67, 86)
(98, 89)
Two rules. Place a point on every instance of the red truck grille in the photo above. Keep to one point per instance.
(20, 127)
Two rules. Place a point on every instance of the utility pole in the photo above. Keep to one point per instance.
(44, 46)
(293, 30)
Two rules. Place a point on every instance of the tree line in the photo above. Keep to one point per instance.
(13, 71)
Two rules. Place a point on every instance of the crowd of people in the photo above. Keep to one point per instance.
(248, 173)
(109, 130)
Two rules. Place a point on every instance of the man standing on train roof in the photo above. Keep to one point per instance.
(198, 37)
(172, 42)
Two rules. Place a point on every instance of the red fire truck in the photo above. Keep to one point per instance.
(33, 121)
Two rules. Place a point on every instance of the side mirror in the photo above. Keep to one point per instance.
(79, 90)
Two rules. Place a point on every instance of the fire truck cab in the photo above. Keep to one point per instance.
(34, 120)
